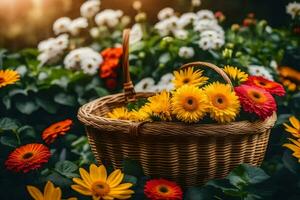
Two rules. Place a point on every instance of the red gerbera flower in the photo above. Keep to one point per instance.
(28, 157)
(160, 189)
(112, 52)
(53, 131)
(270, 86)
(256, 100)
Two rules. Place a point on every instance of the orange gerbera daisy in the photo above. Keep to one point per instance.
(8, 77)
(28, 157)
(160, 189)
(270, 86)
(256, 100)
(53, 131)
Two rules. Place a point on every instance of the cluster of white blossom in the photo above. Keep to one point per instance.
(293, 9)
(204, 22)
(148, 84)
(66, 25)
(85, 59)
(256, 70)
(52, 49)
(109, 18)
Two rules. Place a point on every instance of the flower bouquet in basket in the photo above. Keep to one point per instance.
(205, 125)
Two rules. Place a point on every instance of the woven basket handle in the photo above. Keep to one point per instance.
(129, 92)
(211, 66)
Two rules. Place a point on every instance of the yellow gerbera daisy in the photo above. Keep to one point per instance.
(119, 113)
(8, 77)
(295, 147)
(295, 128)
(96, 184)
(50, 192)
(189, 77)
(189, 103)
(224, 105)
(141, 115)
(160, 105)
(236, 74)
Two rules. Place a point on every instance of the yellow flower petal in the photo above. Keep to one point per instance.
(81, 182)
(48, 190)
(96, 197)
(295, 122)
(81, 190)
(56, 195)
(72, 198)
(108, 197)
(95, 176)
(115, 178)
(85, 176)
(121, 192)
(35, 193)
(103, 173)
(122, 196)
(123, 186)
(292, 147)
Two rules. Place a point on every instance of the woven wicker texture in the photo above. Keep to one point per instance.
(189, 154)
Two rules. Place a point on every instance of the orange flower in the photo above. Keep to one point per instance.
(256, 100)
(160, 189)
(112, 52)
(270, 86)
(53, 131)
(111, 62)
(28, 157)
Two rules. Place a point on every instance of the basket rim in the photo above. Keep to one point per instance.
(86, 116)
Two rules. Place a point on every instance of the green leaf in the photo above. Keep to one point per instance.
(64, 99)
(9, 141)
(27, 131)
(66, 168)
(290, 162)
(195, 193)
(7, 124)
(47, 105)
(130, 179)
(132, 167)
(27, 107)
(7, 102)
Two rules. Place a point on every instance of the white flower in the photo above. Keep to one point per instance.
(90, 8)
(89, 66)
(269, 29)
(293, 9)
(206, 43)
(205, 14)
(180, 34)
(196, 3)
(161, 28)
(171, 22)
(260, 71)
(186, 19)
(166, 13)
(166, 79)
(205, 24)
(108, 17)
(77, 25)
(186, 52)
(136, 34)
(161, 87)
(42, 76)
(62, 25)
(274, 64)
(22, 70)
(52, 49)
(145, 85)
(217, 43)
(211, 34)
(94, 32)
(83, 58)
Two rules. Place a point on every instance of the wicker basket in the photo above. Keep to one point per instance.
(188, 154)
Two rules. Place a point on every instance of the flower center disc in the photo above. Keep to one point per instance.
(190, 104)
(186, 80)
(220, 101)
(27, 155)
(2, 80)
(257, 97)
(100, 188)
